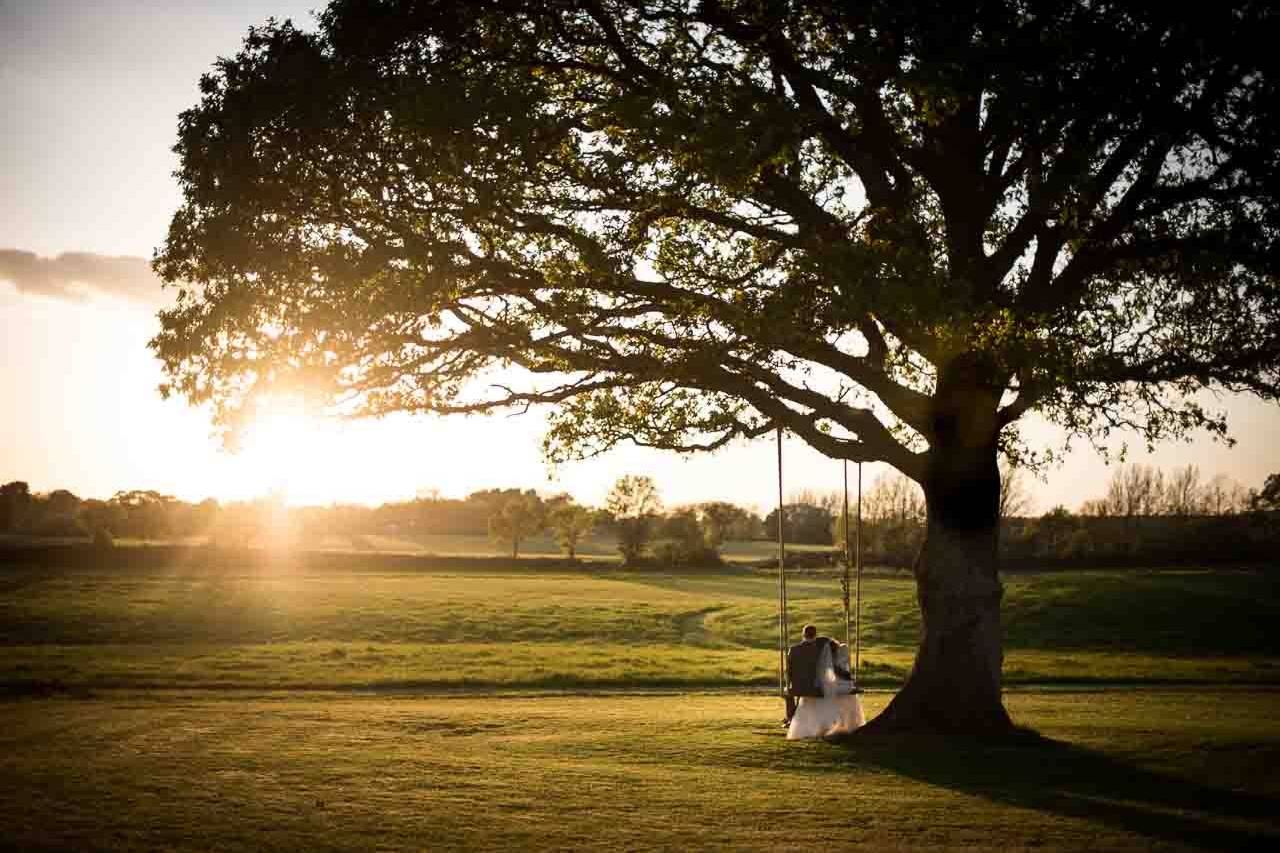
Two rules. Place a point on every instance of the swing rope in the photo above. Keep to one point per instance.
(857, 596)
(783, 631)
(844, 581)
(853, 558)
(855, 561)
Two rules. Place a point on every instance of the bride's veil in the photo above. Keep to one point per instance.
(832, 684)
(827, 672)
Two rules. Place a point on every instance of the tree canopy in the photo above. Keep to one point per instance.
(685, 222)
(632, 507)
(1269, 496)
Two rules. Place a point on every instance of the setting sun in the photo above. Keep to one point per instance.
(286, 452)
(310, 460)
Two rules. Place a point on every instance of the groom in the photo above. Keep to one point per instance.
(802, 668)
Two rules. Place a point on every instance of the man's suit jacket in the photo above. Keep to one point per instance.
(802, 667)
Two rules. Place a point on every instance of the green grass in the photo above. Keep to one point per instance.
(594, 548)
(597, 548)
(362, 621)
(230, 771)
(467, 545)
(1183, 613)
(522, 705)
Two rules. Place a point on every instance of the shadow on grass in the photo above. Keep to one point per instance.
(1064, 779)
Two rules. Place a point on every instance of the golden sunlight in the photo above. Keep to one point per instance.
(288, 453)
(303, 459)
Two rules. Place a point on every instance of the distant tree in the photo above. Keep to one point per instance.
(1118, 501)
(1055, 532)
(1095, 507)
(492, 497)
(1125, 491)
(1015, 499)
(894, 497)
(891, 499)
(1135, 490)
(1268, 498)
(682, 524)
(1183, 493)
(633, 505)
(685, 540)
(1143, 490)
(722, 520)
(482, 505)
(831, 501)
(633, 495)
(55, 514)
(893, 512)
(1149, 489)
(570, 521)
(802, 523)
(431, 514)
(61, 502)
(515, 518)
(1225, 496)
(146, 513)
(104, 515)
(15, 503)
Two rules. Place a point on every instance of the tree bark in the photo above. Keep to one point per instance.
(954, 685)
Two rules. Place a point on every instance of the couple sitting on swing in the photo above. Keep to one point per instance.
(821, 701)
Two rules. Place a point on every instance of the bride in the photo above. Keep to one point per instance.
(838, 710)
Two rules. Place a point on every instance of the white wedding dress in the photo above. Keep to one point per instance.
(837, 711)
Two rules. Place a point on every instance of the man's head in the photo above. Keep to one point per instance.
(810, 631)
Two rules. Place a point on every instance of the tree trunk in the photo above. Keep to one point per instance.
(954, 684)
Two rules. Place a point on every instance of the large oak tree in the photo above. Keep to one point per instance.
(890, 228)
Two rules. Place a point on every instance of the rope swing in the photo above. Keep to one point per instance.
(856, 560)
(852, 561)
(783, 633)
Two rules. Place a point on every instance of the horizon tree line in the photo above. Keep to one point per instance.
(633, 515)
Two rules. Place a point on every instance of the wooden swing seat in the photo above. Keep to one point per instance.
(818, 694)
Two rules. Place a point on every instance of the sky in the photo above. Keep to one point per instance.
(89, 98)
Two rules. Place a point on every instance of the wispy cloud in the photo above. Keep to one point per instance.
(77, 275)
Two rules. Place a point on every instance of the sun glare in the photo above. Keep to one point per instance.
(287, 453)
(309, 460)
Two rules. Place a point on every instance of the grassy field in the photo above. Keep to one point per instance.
(1114, 769)
(189, 699)
(374, 621)
(595, 548)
